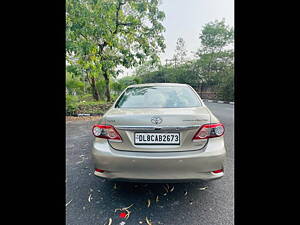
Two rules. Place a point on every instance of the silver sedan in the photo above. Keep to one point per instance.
(159, 132)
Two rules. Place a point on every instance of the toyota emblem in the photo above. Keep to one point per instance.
(156, 120)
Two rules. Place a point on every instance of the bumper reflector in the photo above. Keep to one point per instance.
(218, 171)
(99, 170)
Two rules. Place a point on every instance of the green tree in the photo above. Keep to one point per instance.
(103, 34)
(180, 52)
(215, 54)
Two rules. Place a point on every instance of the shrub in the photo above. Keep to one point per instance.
(71, 104)
(226, 92)
(87, 98)
(74, 106)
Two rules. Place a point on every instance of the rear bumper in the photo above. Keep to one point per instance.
(159, 167)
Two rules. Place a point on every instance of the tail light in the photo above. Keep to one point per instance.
(209, 131)
(107, 132)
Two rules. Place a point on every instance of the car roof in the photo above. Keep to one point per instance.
(157, 84)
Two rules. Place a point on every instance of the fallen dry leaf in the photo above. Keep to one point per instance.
(69, 202)
(172, 189)
(128, 207)
(109, 221)
(167, 190)
(80, 161)
(203, 188)
(148, 222)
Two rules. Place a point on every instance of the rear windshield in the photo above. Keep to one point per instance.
(158, 97)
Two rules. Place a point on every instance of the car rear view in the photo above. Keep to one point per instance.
(159, 132)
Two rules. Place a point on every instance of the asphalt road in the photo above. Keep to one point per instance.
(92, 200)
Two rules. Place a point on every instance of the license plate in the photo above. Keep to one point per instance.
(157, 139)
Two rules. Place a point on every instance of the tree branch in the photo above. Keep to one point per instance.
(117, 16)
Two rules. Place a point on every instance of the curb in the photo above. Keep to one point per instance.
(218, 101)
(86, 114)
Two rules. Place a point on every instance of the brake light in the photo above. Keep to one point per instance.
(106, 131)
(209, 131)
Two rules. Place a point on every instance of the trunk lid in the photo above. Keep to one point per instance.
(185, 121)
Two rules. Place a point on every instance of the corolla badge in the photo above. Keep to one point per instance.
(156, 120)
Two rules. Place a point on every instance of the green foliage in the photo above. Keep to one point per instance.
(105, 34)
(215, 36)
(211, 69)
(180, 52)
(100, 85)
(226, 90)
(74, 70)
(129, 80)
(86, 98)
(117, 87)
(71, 105)
(73, 84)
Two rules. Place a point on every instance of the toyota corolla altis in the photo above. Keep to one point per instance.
(159, 132)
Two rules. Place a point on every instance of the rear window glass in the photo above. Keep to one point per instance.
(158, 97)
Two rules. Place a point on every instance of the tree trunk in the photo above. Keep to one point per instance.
(107, 91)
(94, 89)
(92, 82)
